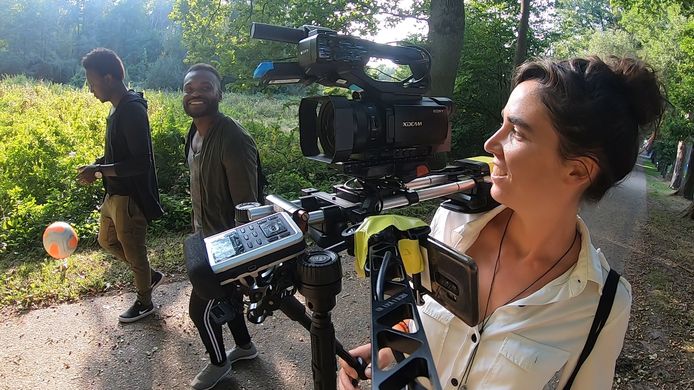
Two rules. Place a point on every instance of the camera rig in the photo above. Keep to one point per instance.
(386, 128)
(272, 274)
(383, 138)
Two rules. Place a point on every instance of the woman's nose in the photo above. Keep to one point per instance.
(493, 144)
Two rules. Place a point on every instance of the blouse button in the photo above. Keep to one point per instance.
(454, 382)
(474, 338)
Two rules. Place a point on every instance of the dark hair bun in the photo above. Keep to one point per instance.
(643, 90)
(597, 108)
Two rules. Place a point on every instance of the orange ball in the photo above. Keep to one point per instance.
(60, 240)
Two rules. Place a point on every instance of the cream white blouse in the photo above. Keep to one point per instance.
(534, 342)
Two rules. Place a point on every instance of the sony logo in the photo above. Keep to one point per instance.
(412, 124)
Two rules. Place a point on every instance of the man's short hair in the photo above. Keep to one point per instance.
(104, 61)
(208, 68)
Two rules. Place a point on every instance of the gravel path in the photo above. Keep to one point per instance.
(82, 345)
(614, 222)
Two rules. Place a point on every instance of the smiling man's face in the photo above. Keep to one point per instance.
(201, 94)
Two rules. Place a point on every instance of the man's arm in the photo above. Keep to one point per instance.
(133, 124)
(240, 162)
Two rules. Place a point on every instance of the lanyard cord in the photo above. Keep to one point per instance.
(466, 374)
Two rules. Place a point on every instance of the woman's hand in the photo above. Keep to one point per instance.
(348, 377)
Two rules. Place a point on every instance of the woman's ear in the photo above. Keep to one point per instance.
(582, 171)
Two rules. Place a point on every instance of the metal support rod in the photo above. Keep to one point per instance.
(315, 217)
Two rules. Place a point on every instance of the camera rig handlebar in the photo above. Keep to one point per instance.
(336, 60)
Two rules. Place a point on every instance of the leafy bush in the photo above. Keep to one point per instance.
(48, 130)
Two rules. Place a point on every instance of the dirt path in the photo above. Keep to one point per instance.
(82, 345)
(615, 222)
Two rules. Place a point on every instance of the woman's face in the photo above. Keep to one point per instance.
(528, 169)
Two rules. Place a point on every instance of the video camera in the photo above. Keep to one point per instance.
(386, 128)
(382, 137)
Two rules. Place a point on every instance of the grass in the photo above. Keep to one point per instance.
(31, 280)
(665, 225)
(670, 241)
(658, 348)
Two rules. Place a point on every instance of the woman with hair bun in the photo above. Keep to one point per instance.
(570, 132)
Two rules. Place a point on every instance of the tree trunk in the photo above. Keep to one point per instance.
(445, 41)
(689, 212)
(522, 41)
(648, 148)
(687, 187)
(679, 164)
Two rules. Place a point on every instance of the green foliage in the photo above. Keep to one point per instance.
(664, 31)
(661, 32)
(48, 130)
(46, 39)
(219, 32)
(482, 85)
(577, 22)
(612, 42)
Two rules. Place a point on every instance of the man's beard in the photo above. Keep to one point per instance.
(212, 107)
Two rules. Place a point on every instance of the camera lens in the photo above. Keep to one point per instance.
(326, 130)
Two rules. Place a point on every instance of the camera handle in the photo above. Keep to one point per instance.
(323, 341)
(392, 301)
(318, 277)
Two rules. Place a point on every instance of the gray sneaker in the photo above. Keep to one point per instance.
(210, 376)
(237, 353)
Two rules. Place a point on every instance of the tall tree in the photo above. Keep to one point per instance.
(445, 41)
(522, 41)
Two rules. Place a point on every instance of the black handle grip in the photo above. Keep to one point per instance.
(360, 367)
(271, 32)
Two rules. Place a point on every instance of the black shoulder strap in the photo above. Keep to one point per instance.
(262, 181)
(604, 307)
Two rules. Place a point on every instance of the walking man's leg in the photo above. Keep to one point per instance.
(131, 229)
(244, 349)
(211, 336)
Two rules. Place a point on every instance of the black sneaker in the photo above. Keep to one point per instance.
(157, 278)
(136, 311)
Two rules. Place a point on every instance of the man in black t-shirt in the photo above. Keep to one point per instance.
(130, 180)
